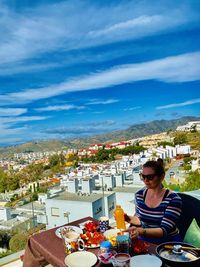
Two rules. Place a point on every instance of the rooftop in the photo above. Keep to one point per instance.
(75, 197)
(36, 205)
(128, 189)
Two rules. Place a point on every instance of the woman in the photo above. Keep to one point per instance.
(157, 209)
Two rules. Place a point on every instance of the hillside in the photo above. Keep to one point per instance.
(134, 131)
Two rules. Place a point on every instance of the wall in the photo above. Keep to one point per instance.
(126, 200)
(76, 209)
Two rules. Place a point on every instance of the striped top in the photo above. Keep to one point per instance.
(164, 216)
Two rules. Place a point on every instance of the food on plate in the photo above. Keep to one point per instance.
(140, 246)
(92, 239)
(67, 231)
(90, 227)
(112, 239)
(111, 234)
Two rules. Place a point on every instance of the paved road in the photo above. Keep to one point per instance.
(174, 172)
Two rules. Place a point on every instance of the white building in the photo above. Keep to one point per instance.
(68, 207)
(5, 214)
(107, 180)
(119, 179)
(189, 126)
(195, 165)
(183, 149)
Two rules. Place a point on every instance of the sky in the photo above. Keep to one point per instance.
(79, 68)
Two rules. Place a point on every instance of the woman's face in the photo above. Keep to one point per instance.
(150, 179)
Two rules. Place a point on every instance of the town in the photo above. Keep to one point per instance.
(89, 189)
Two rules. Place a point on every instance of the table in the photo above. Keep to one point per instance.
(46, 247)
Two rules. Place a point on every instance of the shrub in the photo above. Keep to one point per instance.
(18, 242)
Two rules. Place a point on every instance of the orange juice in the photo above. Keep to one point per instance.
(119, 217)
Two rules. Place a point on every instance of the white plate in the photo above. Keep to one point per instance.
(82, 225)
(145, 260)
(81, 258)
(75, 228)
(111, 232)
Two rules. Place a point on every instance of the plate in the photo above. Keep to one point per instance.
(110, 233)
(92, 240)
(81, 258)
(145, 260)
(82, 225)
(75, 228)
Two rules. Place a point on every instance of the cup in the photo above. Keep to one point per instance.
(73, 242)
(103, 224)
(121, 260)
(123, 243)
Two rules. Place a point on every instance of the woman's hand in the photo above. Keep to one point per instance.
(133, 232)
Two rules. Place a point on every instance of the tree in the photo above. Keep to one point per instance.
(193, 129)
(3, 181)
(192, 182)
(13, 182)
(180, 138)
(165, 143)
(18, 242)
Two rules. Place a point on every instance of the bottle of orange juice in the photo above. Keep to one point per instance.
(119, 217)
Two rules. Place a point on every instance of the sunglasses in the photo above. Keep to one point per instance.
(148, 176)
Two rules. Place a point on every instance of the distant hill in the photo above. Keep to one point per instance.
(134, 131)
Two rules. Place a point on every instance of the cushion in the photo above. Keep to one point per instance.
(192, 235)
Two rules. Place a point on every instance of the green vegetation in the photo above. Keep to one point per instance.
(6, 253)
(134, 131)
(18, 241)
(180, 138)
(109, 155)
(15, 241)
(165, 143)
(192, 182)
(194, 140)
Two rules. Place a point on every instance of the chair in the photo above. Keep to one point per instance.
(190, 211)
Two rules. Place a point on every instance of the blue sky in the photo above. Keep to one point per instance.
(76, 68)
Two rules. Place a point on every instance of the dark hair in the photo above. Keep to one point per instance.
(157, 166)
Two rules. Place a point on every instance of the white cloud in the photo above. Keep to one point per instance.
(10, 134)
(64, 25)
(21, 119)
(12, 111)
(186, 103)
(102, 102)
(132, 108)
(181, 68)
(60, 107)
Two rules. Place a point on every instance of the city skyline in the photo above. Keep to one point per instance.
(78, 68)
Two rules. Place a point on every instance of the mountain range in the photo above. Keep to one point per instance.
(134, 131)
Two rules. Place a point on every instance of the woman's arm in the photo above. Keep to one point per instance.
(133, 220)
(135, 232)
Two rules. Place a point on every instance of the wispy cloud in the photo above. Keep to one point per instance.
(12, 133)
(24, 34)
(103, 102)
(87, 129)
(12, 111)
(132, 108)
(181, 68)
(186, 103)
(60, 108)
(21, 119)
